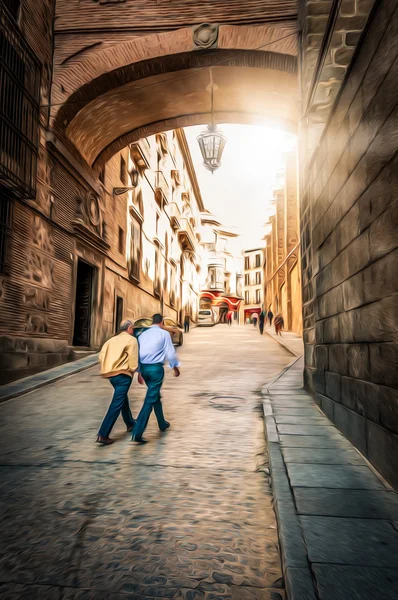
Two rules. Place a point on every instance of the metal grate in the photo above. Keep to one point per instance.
(19, 109)
(6, 209)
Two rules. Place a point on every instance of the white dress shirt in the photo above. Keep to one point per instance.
(155, 346)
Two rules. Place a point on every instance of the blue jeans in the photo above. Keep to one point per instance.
(120, 402)
(153, 376)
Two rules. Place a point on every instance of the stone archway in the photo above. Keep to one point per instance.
(158, 82)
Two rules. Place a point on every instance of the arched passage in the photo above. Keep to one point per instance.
(160, 82)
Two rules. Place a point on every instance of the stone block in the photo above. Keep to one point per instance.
(378, 281)
(349, 582)
(317, 24)
(384, 363)
(376, 322)
(319, 8)
(309, 336)
(383, 236)
(354, 477)
(299, 584)
(366, 504)
(313, 441)
(346, 541)
(356, 255)
(331, 330)
(327, 406)
(359, 361)
(319, 332)
(354, 292)
(352, 425)
(350, 23)
(352, 38)
(309, 355)
(338, 358)
(383, 451)
(333, 386)
(348, 228)
(13, 360)
(343, 56)
(347, 7)
(379, 153)
(321, 357)
(361, 397)
(307, 429)
(388, 405)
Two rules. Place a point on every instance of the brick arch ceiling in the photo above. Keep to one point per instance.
(114, 96)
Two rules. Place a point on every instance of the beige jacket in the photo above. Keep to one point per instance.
(119, 355)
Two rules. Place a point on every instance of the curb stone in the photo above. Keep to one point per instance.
(295, 565)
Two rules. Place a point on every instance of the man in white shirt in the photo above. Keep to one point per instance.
(155, 348)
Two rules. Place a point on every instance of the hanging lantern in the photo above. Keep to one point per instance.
(211, 143)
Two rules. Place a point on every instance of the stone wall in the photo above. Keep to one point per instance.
(349, 245)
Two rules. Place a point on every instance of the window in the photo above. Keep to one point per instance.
(247, 298)
(247, 279)
(121, 242)
(20, 74)
(134, 260)
(6, 209)
(258, 260)
(258, 278)
(247, 263)
(123, 170)
(258, 296)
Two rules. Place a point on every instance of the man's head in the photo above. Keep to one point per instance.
(157, 319)
(128, 326)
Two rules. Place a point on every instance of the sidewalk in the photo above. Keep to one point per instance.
(288, 339)
(338, 521)
(33, 382)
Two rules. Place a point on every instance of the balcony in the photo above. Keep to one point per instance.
(162, 189)
(186, 235)
(19, 109)
(140, 153)
(174, 215)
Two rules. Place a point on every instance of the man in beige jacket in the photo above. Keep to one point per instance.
(119, 361)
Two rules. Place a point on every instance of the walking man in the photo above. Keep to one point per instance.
(156, 348)
(187, 322)
(229, 317)
(270, 316)
(279, 324)
(262, 321)
(119, 360)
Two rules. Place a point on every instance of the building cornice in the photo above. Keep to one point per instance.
(186, 154)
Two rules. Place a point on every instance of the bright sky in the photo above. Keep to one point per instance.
(240, 191)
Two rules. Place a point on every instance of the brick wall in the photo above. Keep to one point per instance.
(349, 244)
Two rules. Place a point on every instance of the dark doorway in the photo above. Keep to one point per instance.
(119, 313)
(83, 304)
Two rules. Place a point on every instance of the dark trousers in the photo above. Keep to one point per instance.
(120, 403)
(261, 327)
(153, 376)
(186, 327)
(270, 321)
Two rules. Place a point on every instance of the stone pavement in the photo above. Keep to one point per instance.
(338, 520)
(189, 515)
(293, 342)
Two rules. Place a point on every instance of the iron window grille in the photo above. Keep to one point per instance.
(6, 213)
(20, 74)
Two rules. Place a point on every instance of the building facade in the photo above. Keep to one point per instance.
(282, 268)
(124, 249)
(222, 275)
(253, 284)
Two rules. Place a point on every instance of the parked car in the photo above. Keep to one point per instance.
(170, 325)
(206, 318)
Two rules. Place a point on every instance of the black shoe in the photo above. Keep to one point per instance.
(165, 427)
(139, 440)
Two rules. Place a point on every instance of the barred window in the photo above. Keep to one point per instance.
(6, 210)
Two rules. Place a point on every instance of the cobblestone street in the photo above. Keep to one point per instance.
(189, 515)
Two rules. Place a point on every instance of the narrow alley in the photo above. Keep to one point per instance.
(189, 515)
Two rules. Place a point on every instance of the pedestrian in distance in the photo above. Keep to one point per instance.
(254, 319)
(270, 316)
(229, 317)
(155, 348)
(279, 324)
(119, 361)
(187, 323)
(261, 321)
